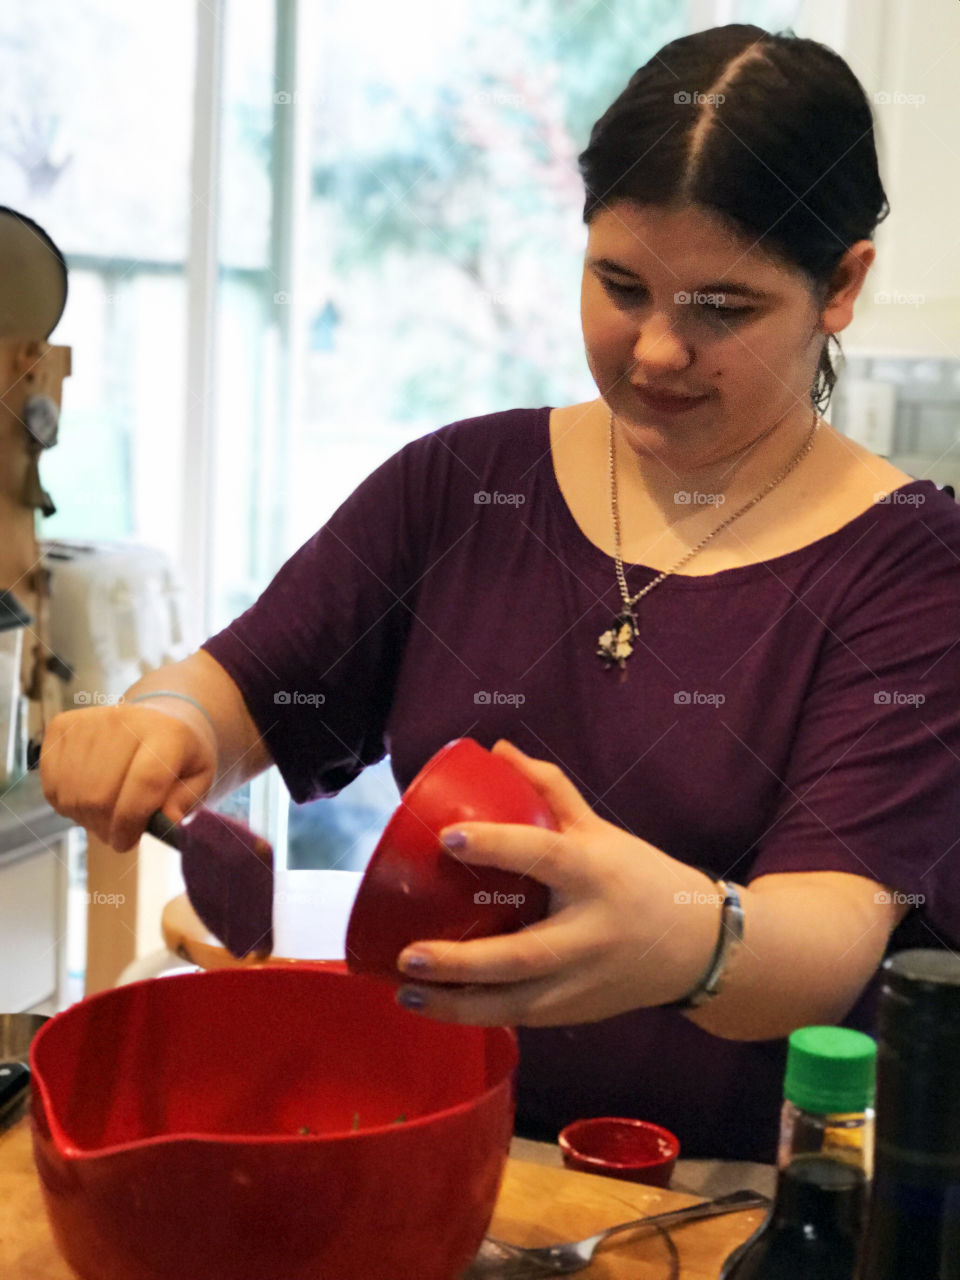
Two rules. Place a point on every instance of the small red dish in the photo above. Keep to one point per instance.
(415, 889)
(635, 1150)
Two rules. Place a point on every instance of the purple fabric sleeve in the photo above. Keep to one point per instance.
(872, 785)
(316, 655)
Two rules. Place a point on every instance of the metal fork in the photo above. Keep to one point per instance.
(498, 1258)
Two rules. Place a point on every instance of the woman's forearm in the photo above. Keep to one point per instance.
(811, 943)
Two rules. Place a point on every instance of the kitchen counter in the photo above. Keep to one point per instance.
(538, 1204)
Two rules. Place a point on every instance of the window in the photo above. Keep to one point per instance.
(95, 135)
(428, 269)
(397, 243)
(437, 249)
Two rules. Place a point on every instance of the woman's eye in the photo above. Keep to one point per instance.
(726, 313)
(709, 309)
(622, 290)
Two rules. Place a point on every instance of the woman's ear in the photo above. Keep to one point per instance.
(845, 285)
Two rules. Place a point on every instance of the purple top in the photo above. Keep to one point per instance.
(796, 715)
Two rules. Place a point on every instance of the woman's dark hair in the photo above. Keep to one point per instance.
(771, 132)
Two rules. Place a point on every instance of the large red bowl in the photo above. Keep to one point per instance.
(167, 1120)
(414, 889)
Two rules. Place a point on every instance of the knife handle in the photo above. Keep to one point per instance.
(165, 829)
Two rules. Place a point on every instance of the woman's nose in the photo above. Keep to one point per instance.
(660, 347)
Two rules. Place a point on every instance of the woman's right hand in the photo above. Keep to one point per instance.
(110, 768)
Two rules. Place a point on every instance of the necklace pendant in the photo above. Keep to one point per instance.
(616, 643)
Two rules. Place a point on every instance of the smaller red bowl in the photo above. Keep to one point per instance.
(635, 1150)
(415, 889)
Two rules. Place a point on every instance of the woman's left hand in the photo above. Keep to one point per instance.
(611, 942)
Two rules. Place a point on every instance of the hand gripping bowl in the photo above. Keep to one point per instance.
(414, 889)
(247, 1123)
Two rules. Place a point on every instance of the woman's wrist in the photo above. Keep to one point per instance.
(729, 937)
(689, 922)
(182, 697)
(181, 706)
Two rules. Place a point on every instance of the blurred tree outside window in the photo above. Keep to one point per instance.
(442, 249)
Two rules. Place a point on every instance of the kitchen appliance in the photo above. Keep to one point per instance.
(116, 612)
(13, 619)
(33, 294)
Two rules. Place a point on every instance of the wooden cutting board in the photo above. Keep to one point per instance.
(537, 1205)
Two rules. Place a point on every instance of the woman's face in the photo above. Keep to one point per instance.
(672, 301)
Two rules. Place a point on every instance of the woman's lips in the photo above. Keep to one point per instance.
(667, 404)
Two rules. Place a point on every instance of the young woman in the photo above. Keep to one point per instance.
(718, 636)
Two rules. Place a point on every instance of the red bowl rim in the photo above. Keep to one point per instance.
(565, 1144)
(68, 1150)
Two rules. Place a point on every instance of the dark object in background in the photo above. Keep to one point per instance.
(34, 292)
(33, 296)
(16, 1032)
(913, 1221)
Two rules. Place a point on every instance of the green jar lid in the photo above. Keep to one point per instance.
(830, 1070)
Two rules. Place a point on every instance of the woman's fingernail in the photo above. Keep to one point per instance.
(455, 840)
(410, 998)
(415, 963)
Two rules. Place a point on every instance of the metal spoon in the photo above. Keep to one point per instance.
(497, 1258)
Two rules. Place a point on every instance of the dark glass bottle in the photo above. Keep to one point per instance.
(913, 1222)
(825, 1159)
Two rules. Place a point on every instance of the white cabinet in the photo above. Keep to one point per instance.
(34, 880)
(32, 896)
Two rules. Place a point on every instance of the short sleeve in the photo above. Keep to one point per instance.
(872, 785)
(316, 656)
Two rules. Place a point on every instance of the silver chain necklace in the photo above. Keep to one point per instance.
(615, 644)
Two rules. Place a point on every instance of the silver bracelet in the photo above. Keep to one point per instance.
(729, 938)
(172, 693)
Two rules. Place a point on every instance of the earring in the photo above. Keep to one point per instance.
(41, 417)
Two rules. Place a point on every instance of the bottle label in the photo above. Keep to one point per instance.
(844, 1137)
